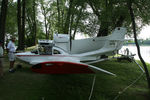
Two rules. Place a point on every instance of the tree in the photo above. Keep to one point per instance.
(21, 24)
(11, 25)
(67, 21)
(44, 12)
(49, 13)
(77, 23)
(31, 23)
(129, 2)
(114, 13)
(109, 15)
(3, 15)
(74, 16)
(58, 11)
(34, 22)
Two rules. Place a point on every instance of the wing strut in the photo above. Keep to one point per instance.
(97, 69)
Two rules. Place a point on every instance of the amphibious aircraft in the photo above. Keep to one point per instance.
(63, 55)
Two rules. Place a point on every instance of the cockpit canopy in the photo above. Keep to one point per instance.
(45, 47)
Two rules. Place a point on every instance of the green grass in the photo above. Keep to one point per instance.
(27, 85)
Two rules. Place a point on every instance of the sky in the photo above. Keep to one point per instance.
(145, 33)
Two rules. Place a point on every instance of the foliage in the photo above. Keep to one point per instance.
(11, 25)
(93, 17)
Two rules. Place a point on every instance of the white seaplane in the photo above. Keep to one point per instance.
(63, 55)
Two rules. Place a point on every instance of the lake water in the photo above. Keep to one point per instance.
(145, 52)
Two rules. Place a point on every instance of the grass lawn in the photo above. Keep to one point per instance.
(27, 85)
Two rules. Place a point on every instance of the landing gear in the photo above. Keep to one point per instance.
(127, 55)
(128, 58)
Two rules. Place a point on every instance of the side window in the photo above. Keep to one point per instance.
(56, 52)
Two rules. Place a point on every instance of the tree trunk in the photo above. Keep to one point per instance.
(19, 23)
(58, 10)
(45, 21)
(34, 23)
(3, 15)
(23, 25)
(103, 30)
(120, 21)
(47, 35)
(62, 19)
(77, 22)
(29, 37)
(136, 41)
(71, 22)
(67, 23)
